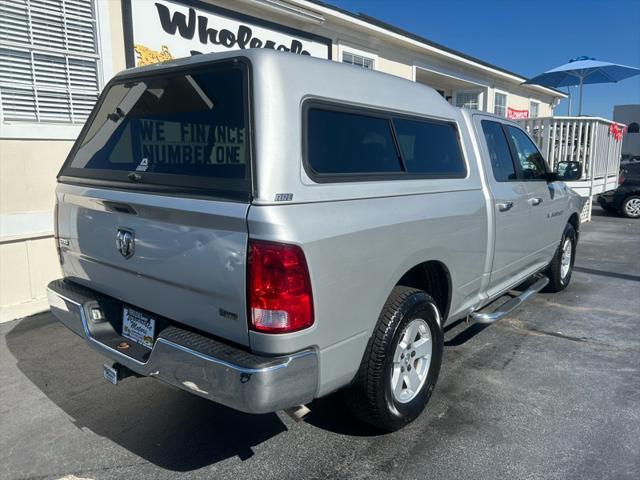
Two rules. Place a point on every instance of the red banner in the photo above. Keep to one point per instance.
(517, 114)
(617, 131)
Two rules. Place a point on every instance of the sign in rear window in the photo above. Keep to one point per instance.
(189, 124)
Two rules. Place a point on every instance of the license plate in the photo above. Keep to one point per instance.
(110, 374)
(138, 327)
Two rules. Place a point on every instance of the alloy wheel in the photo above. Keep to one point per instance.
(411, 361)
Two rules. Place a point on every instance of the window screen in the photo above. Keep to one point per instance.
(349, 143)
(499, 153)
(500, 104)
(533, 109)
(357, 60)
(181, 124)
(429, 147)
(469, 100)
(531, 162)
(48, 60)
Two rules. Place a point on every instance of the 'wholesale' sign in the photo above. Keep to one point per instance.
(160, 30)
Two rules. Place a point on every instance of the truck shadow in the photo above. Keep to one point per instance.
(168, 427)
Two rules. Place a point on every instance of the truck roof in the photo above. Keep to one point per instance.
(294, 67)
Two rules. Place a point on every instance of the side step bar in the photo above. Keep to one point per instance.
(511, 305)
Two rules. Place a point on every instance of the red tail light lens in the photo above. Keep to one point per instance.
(621, 178)
(279, 288)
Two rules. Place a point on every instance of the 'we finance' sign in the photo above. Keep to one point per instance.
(160, 30)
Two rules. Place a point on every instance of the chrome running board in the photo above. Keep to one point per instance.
(509, 306)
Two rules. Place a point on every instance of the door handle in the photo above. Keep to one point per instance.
(535, 201)
(504, 206)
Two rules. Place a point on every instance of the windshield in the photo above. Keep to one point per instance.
(174, 129)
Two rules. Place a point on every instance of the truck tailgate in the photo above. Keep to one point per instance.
(188, 261)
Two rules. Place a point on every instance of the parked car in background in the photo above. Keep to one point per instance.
(626, 198)
(262, 229)
(626, 159)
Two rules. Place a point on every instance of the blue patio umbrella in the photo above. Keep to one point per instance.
(583, 70)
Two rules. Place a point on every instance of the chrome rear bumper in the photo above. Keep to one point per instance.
(193, 362)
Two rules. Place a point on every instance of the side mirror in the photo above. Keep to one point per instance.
(568, 171)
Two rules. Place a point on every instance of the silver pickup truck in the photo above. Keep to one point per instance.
(262, 229)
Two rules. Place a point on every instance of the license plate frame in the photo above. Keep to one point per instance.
(138, 326)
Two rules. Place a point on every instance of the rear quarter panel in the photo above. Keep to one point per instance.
(360, 237)
(357, 250)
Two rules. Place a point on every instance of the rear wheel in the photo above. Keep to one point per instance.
(561, 267)
(631, 207)
(400, 366)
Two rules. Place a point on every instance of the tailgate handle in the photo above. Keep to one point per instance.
(118, 207)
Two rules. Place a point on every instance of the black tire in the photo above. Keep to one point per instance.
(557, 281)
(626, 209)
(370, 396)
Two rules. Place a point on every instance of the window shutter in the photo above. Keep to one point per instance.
(81, 36)
(19, 104)
(83, 74)
(13, 21)
(47, 25)
(15, 67)
(48, 60)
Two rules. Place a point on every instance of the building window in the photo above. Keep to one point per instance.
(500, 104)
(469, 100)
(533, 109)
(633, 128)
(48, 60)
(358, 60)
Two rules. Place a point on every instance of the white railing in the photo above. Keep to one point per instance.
(587, 140)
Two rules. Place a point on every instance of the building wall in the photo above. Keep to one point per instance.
(28, 169)
(629, 114)
(28, 259)
(29, 163)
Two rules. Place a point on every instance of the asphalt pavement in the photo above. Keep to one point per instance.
(552, 392)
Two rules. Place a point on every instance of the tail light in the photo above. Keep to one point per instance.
(621, 178)
(279, 288)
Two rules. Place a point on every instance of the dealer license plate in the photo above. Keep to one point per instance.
(138, 327)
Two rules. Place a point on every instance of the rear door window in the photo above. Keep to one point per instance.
(499, 153)
(532, 166)
(180, 129)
